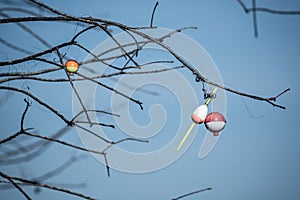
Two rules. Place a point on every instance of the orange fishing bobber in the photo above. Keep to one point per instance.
(71, 66)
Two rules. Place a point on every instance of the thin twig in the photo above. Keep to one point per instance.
(23, 115)
(31, 32)
(42, 147)
(96, 111)
(26, 74)
(63, 143)
(31, 146)
(153, 12)
(74, 19)
(51, 187)
(11, 137)
(93, 133)
(96, 58)
(191, 193)
(255, 9)
(66, 185)
(89, 22)
(113, 90)
(74, 89)
(124, 140)
(94, 123)
(56, 80)
(37, 100)
(34, 56)
(254, 18)
(268, 10)
(15, 185)
(106, 164)
(200, 77)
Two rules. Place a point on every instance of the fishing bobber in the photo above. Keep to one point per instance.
(215, 122)
(72, 66)
(199, 114)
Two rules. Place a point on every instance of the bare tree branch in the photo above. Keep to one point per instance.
(51, 187)
(15, 185)
(255, 9)
(254, 18)
(191, 193)
(268, 10)
(62, 142)
(36, 149)
(39, 101)
(30, 147)
(52, 61)
(34, 56)
(153, 12)
(200, 77)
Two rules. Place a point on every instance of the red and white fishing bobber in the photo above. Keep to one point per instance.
(215, 122)
(72, 67)
(200, 114)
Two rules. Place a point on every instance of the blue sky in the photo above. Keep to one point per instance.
(257, 156)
